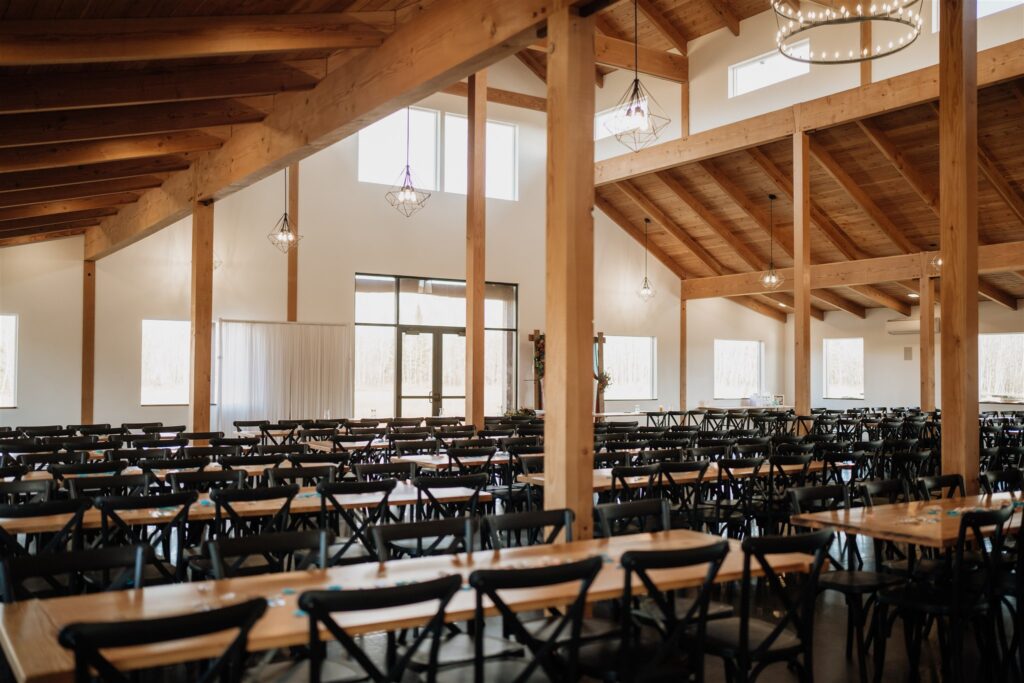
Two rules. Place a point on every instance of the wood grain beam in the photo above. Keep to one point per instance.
(924, 188)
(997, 295)
(782, 236)
(802, 272)
(201, 316)
(57, 219)
(789, 302)
(40, 231)
(77, 41)
(91, 173)
(65, 192)
(81, 90)
(861, 198)
(883, 299)
(839, 301)
(59, 155)
(292, 306)
(620, 54)
(499, 96)
(988, 168)
(727, 15)
(476, 245)
(40, 237)
(88, 339)
(927, 333)
(669, 31)
(146, 119)
(534, 63)
(67, 206)
(682, 353)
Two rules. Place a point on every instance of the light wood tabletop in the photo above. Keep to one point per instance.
(931, 524)
(603, 476)
(28, 630)
(250, 471)
(307, 501)
(443, 462)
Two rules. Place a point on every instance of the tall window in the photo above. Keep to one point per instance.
(8, 361)
(390, 308)
(382, 149)
(1001, 368)
(767, 69)
(843, 368)
(502, 157)
(630, 363)
(985, 8)
(738, 368)
(166, 350)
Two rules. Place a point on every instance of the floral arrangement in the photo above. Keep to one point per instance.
(603, 381)
(538, 358)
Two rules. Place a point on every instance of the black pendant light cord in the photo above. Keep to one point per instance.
(771, 231)
(647, 223)
(408, 128)
(636, 43)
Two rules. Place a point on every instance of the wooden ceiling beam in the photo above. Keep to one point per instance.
(44, 236)
(999, 296)
(924, 188)
(54, 91)
(884, 299)
(146, 119)
(783, 237)
(995, 65)
(839, 301)
(90, 173)
(77, 41)
(90, 215)
(669, 31)
(532, 62)
(58, 155)
(988, 168)
(499, 96)
(728, 16)
(619, 54)
(861, 198)
(447, 41)
(65, 192)
(67, 206)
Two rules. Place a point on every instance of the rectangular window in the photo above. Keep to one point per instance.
(1001, 368)
(166, 351)
(630, 363)
(767, 69)
(843, 368)
(502, 157)
(8, 361)
(985, 8)
(738, 368)
(382, 149)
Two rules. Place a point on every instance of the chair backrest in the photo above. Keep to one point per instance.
(230, 523)
(60, 471)
(69, 535)
(515, 529)
(490, 584)
(818, 498)
(433, 537)
(112, 485)
(177, 464)
(889, 491)
(979, 556)
(429, 506)
(200, 436)
(73, 572)
(472, 460)
(390, 470)
(996, 481)
(206, 481)
(88, 640)
(164, 528)
(795, 597)
(280, 551)
(359, 518)
(633, 483)
(941, 486)
(284, 450)
(21, 492)
(651, 514)
(321, 606)
(302, 476)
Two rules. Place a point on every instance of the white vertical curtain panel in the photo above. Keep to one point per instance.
(281, 371)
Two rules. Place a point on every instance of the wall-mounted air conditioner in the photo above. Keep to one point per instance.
(897, 327)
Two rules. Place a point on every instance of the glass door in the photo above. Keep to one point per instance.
(432, 372)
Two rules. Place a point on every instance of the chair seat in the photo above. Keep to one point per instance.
(493, 670)
(723, 636)
(332, 671)
(716, 610)
(931, 599)
(459, 649)
(411, 546)
(858, 582)
(592, 629)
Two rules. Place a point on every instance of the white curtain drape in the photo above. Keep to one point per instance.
(279, 371)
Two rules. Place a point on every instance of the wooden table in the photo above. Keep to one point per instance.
(28, 630)
(250, 471)
(307, 501)
(603, 476)
(328, 447)
(931, 524)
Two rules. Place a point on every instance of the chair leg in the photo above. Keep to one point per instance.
(859, 616)
(881, 634)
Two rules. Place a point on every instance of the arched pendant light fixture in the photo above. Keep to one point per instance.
(646, 291)
(282, 236)
(638, 118)
(771, 279)
(404, 196)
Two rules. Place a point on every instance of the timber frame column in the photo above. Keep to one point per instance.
(958, 237)
(201, 315)
(682, 353)
(293, 253)
(88, 339)
(568, 375)
(802, 272)
(476, 254)
(927, 310)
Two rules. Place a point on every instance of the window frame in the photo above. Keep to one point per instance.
(654, 366)
(17, 346)
(760, 368)
(824, 371)
(734, 68)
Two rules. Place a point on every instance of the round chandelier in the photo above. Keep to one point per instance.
(900, 21)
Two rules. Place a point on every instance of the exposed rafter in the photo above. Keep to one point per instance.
(45, 236)
(620, 54)
(67, 206)
(665, 26)
(112, 170)
(56, 219)
(499, 96)
(725, 12)
(534, 63)
(34, 157)
(93, 189)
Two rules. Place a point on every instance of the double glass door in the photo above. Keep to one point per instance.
(431, 371)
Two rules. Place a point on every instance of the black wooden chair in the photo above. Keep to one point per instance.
(73, 572)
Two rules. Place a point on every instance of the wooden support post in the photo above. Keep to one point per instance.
(802, 271)
(927, 303)
(476, 256)
(88, 339)
(293, 253)
(682, 353)
(568, 422)
(202, 315)
(958, 237)
(865, 44)
(684, 104)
